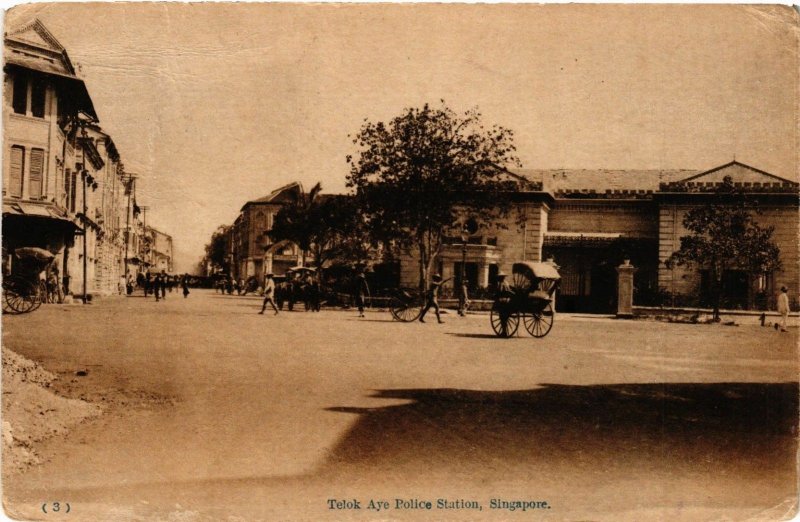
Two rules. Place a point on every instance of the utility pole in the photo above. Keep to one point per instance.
(130, 182)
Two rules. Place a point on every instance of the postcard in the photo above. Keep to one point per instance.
(303, 262)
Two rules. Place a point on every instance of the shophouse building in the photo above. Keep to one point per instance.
(64, 186)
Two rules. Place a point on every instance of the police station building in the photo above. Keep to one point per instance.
(588, 221)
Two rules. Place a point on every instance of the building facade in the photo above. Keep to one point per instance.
(250, 251)
(158, 254)
(64, 186)
(589, 221)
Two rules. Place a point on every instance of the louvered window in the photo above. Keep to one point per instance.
(17, 168)
(67, 182)
(36, 185)
(72, 190)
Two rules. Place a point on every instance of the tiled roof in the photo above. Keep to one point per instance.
(558, 181)
(272, 196)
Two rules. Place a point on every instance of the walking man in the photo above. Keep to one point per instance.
(269, 292)
(361, 293)
(783, 307)
(432, 298)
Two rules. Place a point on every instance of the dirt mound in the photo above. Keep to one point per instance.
(32, 412)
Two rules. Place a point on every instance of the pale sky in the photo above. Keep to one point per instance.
(217, 104)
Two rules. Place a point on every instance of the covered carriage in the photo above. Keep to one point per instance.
(527, 297)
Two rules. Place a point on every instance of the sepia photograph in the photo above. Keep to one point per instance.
(398, 261)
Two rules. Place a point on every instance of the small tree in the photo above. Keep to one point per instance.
(325, 226)
(416, 176)
(215, 249)
(724, 235)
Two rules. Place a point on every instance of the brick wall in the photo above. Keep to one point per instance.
(686, 281)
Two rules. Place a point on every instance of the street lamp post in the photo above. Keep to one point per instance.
(469, 228)
(464, 239)
(84, 176)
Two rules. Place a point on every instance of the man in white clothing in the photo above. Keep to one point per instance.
(783, 307)
(269, 294)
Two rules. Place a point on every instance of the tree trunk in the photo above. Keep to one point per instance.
(423, 266)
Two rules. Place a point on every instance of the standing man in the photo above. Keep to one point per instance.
(361, 292)
(432, 299)
(783, 307)
(185, 285)
(164, 281)
(155, 285)
(504, 294)
(463, 298)
(269, 292)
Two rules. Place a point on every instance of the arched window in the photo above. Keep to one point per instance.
(261, 222)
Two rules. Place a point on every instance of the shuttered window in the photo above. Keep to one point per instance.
(17, 168)
(67, 181)
(72, 188)
(36, 184)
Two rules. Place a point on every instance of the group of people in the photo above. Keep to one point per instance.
(157, 284)
(229, 285)
(297, 287)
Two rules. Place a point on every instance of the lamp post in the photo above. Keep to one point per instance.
(464, 238)
(469, 228)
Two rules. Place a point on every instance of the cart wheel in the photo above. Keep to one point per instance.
(539, 325)
(20, 295)
(405, 310)
(512, 323)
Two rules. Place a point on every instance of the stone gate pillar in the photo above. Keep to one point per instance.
(625, 273)
(267, 265)
(552, 262)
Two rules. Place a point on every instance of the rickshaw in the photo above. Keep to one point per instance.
(529, 298)
(23, 290)
(406, 305)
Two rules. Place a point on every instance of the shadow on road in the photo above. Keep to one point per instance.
(722, 434)
(480, 336)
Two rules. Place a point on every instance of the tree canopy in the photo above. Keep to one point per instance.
(724, 235)
(215, 250)
(325, 226)
(416, 177)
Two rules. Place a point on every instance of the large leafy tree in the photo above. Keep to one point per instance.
(418, 175)
(325, 226)
(724, 235)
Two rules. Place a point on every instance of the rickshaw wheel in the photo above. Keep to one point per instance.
(405, 310)
(512, 323)
(20, 295)
(539, 324)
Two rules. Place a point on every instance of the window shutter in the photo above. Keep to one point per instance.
(15, 176)
(37, 173)
(73, 187)
(67, 186)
